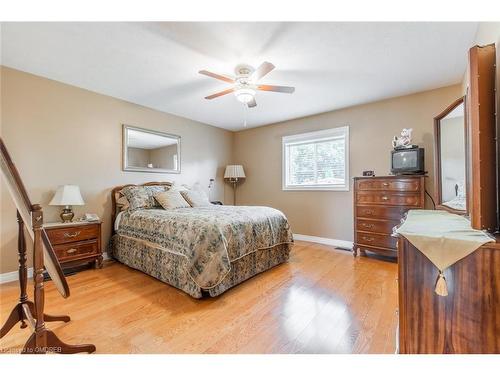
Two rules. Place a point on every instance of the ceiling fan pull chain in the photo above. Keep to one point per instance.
(245, 110)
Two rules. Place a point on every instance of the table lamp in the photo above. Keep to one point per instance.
(233, 174)
(67, 196)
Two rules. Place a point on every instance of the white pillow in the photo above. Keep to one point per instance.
(171, 199)
(196, 198)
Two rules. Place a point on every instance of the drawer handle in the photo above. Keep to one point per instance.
(385, 198)
(385, 184)
(368, 239)
(71, 251)
(369, 212)
(368, 225)
(71, 235)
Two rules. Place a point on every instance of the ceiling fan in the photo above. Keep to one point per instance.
(245, 83)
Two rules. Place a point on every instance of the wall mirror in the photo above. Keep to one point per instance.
(450, 135)
(150, 151)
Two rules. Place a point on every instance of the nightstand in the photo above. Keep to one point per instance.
(76, 243)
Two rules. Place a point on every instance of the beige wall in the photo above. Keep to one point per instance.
(372, 126)
(59, 134)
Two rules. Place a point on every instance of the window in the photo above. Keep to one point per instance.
(317, 160)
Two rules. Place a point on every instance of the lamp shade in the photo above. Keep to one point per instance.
(234, 171)
(67, 195)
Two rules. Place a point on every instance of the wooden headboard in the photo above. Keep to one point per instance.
(115, 192)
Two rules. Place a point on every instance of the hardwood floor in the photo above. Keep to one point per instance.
(322, 301)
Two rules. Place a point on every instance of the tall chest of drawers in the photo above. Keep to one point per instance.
(379, 205)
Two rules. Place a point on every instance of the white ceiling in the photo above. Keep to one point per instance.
(332, 65)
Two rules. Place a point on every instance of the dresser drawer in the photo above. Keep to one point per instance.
(381, 212)
(388, 198)
(377, 226)
(76, 250)
(73, 234)
(389, 184)
(381, 240)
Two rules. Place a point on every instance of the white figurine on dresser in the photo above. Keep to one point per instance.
(403, 141)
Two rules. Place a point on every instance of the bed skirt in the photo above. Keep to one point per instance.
(171, 267)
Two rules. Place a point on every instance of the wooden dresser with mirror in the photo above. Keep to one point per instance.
(466, 318)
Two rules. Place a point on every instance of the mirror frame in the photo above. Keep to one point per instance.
(125, 165)
(437, 158)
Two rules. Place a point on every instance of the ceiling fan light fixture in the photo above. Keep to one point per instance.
(244, 84)
(244, 95)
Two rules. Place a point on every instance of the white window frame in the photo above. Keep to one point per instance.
(312, 136)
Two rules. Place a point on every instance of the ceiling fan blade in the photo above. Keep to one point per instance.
(252, 103)
(216, 95)
(216, 76)
(262, 70)
(284, 89)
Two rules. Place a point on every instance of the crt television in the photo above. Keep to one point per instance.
(407, 161)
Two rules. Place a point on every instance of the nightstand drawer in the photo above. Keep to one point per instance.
(73, 234)
(76, 250)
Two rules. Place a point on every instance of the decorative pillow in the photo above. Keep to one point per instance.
(171, 199)
(196, 198)
(122, 203)
(142, 196)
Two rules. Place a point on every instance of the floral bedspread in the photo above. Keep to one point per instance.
(209, 237)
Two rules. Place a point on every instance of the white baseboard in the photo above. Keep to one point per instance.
(7, 277)
(13, 276)
(324, 241)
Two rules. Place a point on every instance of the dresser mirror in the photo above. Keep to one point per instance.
(450, 130)
(150, 151)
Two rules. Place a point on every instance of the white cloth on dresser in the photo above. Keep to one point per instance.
(444, 238)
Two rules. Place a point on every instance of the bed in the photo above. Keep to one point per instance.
(200, 250)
